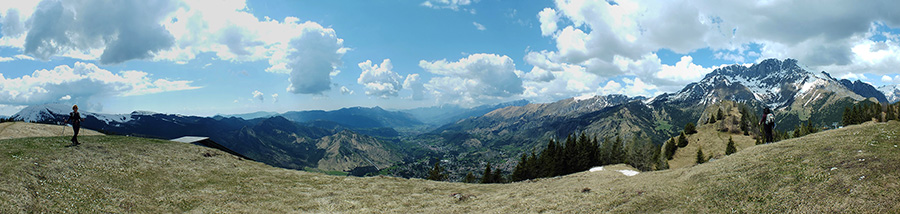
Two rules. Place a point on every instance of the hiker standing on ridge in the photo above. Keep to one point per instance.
(768, 123)
(76, 119)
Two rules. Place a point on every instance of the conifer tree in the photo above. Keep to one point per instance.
(663, 162)
(670, 148)
(486, 177)
(712, 119)
(437, 172)
(470, 178)
(617, 153)
(520, 173)
(682, 140)
(720, 115)
(497, 177)
(729, 149)
(690, 128)
(700, 158)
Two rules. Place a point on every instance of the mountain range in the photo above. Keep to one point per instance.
(353, 138)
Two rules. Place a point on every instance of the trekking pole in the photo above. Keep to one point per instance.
(63, 131)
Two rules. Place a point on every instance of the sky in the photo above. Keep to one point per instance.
(207, 57)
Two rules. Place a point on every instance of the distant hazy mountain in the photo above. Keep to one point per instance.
(891, 92)
(276, 141)
(250, 116)
(440, 115)
(357, 117)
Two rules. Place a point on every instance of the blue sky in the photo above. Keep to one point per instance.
(235, 56)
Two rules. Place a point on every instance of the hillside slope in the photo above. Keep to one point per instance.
(22, 129)
(846, 170)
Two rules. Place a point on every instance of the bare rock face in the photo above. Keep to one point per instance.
(347, 150)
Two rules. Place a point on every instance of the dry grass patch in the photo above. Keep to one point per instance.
(10, 130)
(846, 170)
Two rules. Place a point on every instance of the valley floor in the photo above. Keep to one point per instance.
(846, 170)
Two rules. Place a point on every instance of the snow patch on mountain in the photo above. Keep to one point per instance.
(891, 92)
(56, 112)
(775, 83)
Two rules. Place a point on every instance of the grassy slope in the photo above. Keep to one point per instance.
(711, 140)
(23, 129)
(845, 170)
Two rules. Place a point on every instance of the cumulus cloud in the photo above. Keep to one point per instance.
(258, 95)
(123, 31)
(616, 39)
(887, 79)
(275, 98)
(473, 80)
(415, 83)
(379, 80)
(312, 58)
(11, 24)
(82, 82)
(177, 31)
(548, 18)
(631, 87)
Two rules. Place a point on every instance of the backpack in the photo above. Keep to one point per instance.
(770, 119)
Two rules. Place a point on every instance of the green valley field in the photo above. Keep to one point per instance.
(853, 169)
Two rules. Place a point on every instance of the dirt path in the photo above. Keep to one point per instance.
(11, 130)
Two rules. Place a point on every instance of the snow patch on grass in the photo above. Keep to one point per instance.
(626, 172)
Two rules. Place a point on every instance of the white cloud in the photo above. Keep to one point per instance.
(479, 26)
(632, 87)
(620, 38)
(312, 58)
(568, 81)
(549, 19)
(853, 76)
(473, 80)
(415, 83)
(274, 98)
(346, 91)
(6, 59)
(683, 71)
(177, 31)
(258, 95)
(454, 5)
(887, 79)
(380, 80)
(67, 97)
(118, 32)
(82, 83)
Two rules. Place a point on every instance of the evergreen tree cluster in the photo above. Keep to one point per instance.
(748, 119)
(491, 176)
(437, 172)
(3, 120)
(869, 111)
(803, 130)
(580, 153)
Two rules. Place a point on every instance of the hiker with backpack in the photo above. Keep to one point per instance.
(76, 119)
(768, 123)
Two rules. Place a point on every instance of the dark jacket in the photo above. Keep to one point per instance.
(75, 117)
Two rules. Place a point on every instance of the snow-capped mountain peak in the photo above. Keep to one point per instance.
(891, 92)
(774, 83)
(57, 113)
